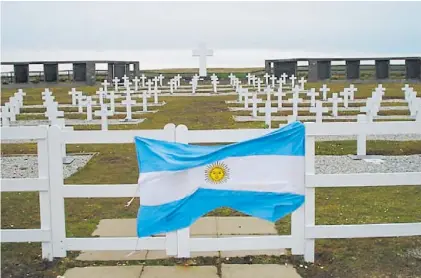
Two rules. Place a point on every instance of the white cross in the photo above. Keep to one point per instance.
(237, 85)
(231, 77)
(155, 96)
(296, 90)
(73, 93)
(125, 79)
(369, 109)
(149, 83)
(292, 78)
(302, 81)
(255, 101)
(103, 113)
(268, 113)
(52, 112)
(80, 99)
(20, 94)
(155, 80)
(178, 81)
(312, 94)
(193, 84)
(280, 94)
(143, 78)
(415, 106)
(335, 100)
(136, 83)
(105, 85)
(253, 80)
(266, 76)
(6, 114)
(352, 90)
(284, 77)
(249, 76)
(259, 82)
(160, 78)
(295, 100)
(89, 102)
(273, 79)
(101, 94)
(319, 110)
(214, 82)
(111, 97)
(406, 89)
(14, 104)
(202, 52)
(280, 83)
(324, 91)
(268, 92)
(245, 93)
(116, 80)
(145, 101)
(345, 94)
(128, 102)
(171, 83)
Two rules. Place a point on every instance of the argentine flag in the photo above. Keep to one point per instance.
(179, 183)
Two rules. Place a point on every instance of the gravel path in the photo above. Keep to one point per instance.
(330, 164)
(26, 166)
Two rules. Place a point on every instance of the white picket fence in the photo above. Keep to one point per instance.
(50, 185)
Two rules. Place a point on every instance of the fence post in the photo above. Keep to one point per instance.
(183, 235)
(310, 195)
(170, 237)
(44, 196)
(361, 137)
(56, 191)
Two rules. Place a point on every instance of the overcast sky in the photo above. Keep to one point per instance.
(115, 30)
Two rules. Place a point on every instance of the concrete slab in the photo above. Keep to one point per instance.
(104, 272)
(258, 270)
(154, 255)
(127, 227)
(112, 256)
(179, 272)
(234, 225)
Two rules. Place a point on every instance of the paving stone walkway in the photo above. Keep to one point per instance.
(204, 227)
(227, 271)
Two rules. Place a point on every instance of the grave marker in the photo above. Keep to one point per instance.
(268, 92)
(149, 84)
(231, 77)
(345, 94)
(249, 77)
(273, 79)
(324, 91)
(136, 84)
(143, 78)
(352, 90)
(335, 100)
(266, 76)
(214, 82)
(160, 78)
(312, 94)
(101, 94)
(292, 78)
(145, 102)
(202, 52)
(111, 97)
(103, 113)
(105, 85)
(73, 93)
(295, 100)
(89, 102)
(268, 113)
(259, 82)
(319, 110)
(280, 94)
(302, 81)
(115, 81)
(128, 102)
(284, 77)
(255, 101)
(245, 93)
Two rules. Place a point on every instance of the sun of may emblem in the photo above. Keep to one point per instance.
(217, 172)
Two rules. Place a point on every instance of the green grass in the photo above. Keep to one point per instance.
(117, 164)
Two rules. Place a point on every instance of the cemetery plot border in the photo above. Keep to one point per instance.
(303, 229)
